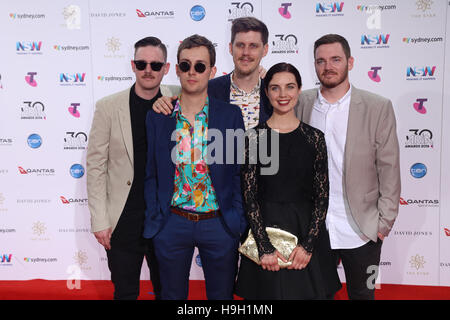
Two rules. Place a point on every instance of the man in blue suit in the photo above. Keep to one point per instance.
(192, 202)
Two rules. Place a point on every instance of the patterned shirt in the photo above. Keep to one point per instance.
(193, 189)
(248, 102)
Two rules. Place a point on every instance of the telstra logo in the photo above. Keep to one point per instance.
(284, 10)
(419, 107)
(373, 74)
(30, 79)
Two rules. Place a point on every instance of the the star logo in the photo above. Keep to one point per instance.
(417, 262)
(39, 228)
(80, 257)
(113, 44)
(424, 5)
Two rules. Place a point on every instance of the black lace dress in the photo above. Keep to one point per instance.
(294, 199)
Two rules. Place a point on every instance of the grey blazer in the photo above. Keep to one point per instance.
(371, 160)
(109, 158)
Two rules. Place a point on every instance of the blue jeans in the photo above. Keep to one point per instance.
(174, 248)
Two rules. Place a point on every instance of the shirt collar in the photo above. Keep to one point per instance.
(323, 101)
(256, 89)
(177, 109)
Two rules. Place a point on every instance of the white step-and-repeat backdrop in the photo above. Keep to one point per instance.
(59, 57)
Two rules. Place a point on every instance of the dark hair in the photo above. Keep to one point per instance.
(247, 24)
(195, 41)
(282, 67)
(333, 38)
(151, 41)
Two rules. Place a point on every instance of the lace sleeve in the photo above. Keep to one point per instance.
(250, 189)
(320, 188)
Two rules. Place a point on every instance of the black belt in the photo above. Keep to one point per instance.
(195, 216)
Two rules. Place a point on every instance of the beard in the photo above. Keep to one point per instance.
(330, 84)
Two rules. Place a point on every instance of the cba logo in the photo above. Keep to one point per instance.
(197, 13)
(418, 170)
(373, 74)
(34, 141)
(77, 171)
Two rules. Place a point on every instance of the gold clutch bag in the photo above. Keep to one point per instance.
(282, 240)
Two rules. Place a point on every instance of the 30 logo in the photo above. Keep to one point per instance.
(418, 170)
(240, 9)
(373, 74)
(285, 44)
(76, 171)
(284, 10)
(33, 110)
(75, 141)
(419, 139)
(34, 141)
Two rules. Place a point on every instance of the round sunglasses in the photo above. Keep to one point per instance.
(186, 66)
(141, 65)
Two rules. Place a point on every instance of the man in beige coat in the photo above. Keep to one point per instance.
(363, 157)
(116, 160)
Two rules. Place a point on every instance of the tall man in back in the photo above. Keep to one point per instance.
(363, 161)
(243, 86)
(116, 160)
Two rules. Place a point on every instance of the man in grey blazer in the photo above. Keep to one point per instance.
(364, 168)
(116, 159)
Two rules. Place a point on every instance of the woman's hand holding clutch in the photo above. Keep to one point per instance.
(300, 258)
(270, 261)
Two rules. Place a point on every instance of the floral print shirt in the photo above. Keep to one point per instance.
(193, 186)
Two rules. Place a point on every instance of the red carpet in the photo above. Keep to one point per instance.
(103, 290)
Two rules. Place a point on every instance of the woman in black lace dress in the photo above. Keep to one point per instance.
(294, 199)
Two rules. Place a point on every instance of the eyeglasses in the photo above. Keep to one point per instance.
(141, 65)
(186, 66)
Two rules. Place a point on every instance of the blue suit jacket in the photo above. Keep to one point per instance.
(160, 170)
(219, 88)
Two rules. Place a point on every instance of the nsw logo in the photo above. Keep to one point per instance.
(418, 170)
(72, 79)
(28, 47)
(421, 73)
(329, 9)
